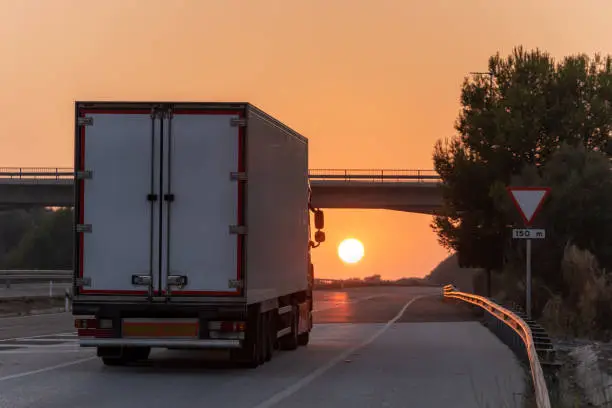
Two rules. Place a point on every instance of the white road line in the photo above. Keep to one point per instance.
(36, 337)
(292, 389)
(33, 315)
(44, 370)
(46, 351)
(39, 340)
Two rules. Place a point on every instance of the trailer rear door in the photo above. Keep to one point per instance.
(203, 158)
(117, 220)
(159, 202)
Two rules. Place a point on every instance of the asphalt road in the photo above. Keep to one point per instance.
(371, 347)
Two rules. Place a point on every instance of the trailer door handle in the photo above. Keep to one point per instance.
(169, 197)
(152, 197)
(177, 280)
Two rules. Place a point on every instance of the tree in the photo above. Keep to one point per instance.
(520, 119)
(46, 245)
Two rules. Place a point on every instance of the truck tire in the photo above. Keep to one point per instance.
(303, 339)
(253, 353)
(114, 361)
(270, 331)
(139, 353)
(290, 341)
(114, 357)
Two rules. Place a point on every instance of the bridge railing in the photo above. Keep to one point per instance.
(36, 173)
(510, 320)
(374, 175)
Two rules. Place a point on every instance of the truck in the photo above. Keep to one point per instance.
(192, 230)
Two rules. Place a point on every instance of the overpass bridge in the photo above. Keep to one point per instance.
(400, 190)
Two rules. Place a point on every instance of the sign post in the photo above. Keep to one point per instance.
(528, 201)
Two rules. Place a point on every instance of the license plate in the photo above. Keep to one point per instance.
(155, 328)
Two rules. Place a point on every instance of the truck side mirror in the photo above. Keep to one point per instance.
(319, 236)
(319, 219)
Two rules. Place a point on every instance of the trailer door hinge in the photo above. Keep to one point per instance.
(83, 228)
(84, 175)
(238, 229)
(85, 121)
(238, 122)
(235, 284)
(238, 176)
(84, 281)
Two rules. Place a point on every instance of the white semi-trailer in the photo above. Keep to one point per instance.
(192, 230)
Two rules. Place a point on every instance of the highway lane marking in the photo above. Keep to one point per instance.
(44, 370)
(37, 336)
(33, 315)
(292, 389)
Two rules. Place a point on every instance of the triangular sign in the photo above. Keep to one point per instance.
(528, 200)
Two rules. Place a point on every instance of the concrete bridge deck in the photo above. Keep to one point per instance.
(400, 190)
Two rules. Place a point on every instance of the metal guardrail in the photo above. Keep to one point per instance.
(36, 173)
(375, 175)
(520, 327)
(36, 274)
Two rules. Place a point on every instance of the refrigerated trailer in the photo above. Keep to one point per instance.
(192, 230)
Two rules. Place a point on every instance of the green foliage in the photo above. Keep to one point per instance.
(538, 123)
(512, 126)
(37, 239)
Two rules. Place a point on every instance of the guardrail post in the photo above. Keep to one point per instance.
(7, 283)
(50, 289)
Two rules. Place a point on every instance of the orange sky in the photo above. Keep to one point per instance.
(372, 84)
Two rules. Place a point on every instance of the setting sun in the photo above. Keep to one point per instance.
(350, 250)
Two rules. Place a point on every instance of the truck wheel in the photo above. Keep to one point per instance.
(139, 353)
(290, 341)
(112, 356)
(114, 361)
(254, 350)
(270, 334)
(303, 339)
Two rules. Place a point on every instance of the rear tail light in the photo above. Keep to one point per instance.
(105, 324)
(85, 323)
(94, 327)
(227, 326)
(226, 330)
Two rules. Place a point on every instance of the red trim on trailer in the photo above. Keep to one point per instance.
(241, 167)
(82, 113)
(81, 198)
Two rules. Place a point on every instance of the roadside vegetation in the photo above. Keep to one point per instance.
(36, 239)
(535, 122)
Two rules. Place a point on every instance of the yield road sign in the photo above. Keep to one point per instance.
(528, 200)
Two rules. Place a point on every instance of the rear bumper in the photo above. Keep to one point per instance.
(175, 343)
